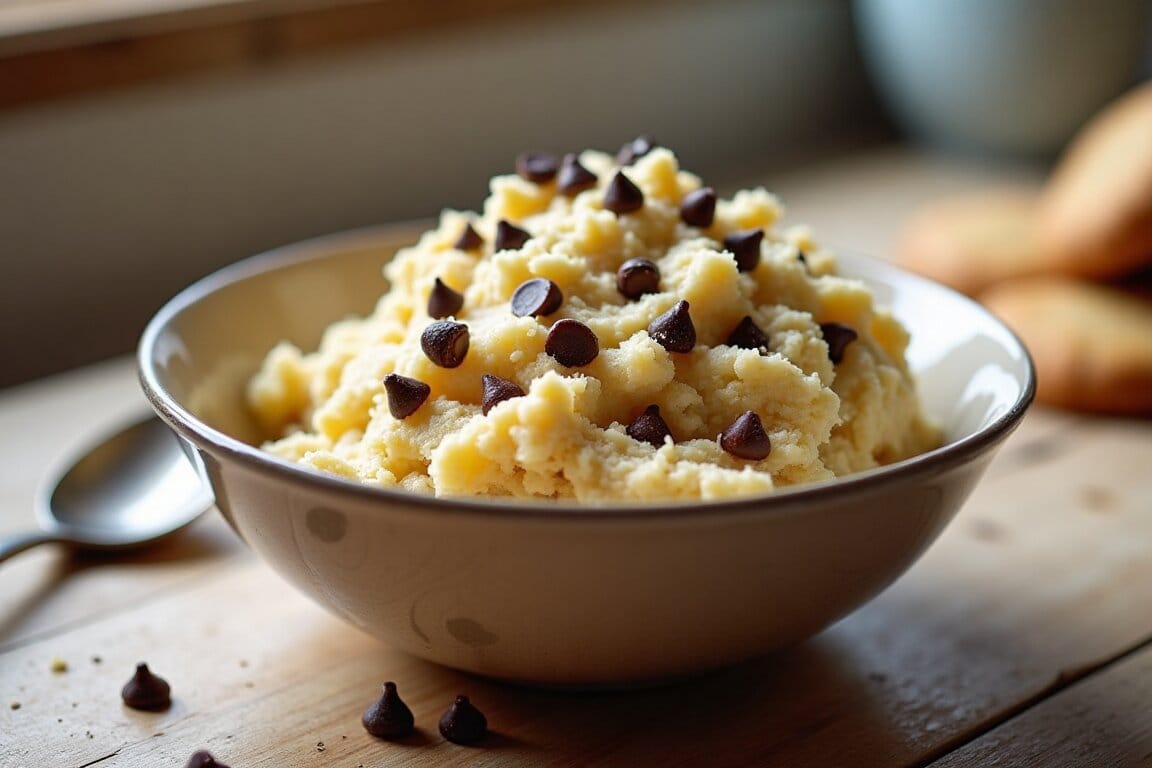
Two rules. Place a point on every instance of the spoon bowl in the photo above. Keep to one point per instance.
(128, 490)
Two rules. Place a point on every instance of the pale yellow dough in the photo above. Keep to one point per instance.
(566, 437)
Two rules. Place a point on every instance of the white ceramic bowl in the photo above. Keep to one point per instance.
(562, 594)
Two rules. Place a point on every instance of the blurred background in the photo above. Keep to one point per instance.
(146, 143)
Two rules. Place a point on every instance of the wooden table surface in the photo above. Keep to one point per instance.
(1022, 638)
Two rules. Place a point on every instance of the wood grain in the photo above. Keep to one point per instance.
(1103, 722)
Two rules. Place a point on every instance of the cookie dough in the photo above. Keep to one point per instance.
(606, 330)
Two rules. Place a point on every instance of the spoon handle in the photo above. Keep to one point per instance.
(16, 543)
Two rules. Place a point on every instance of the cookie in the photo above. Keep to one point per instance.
(1092, 344)
(972, 241)
(1095, 216)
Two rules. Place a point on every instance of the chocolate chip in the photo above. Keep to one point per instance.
(496, 391)
(469, 239)
(635, 149)
(203, 759)
(637, 277)
(445, 343)
(747, 335)
(674, 329)
(463, 723)
(537, 167)
(745, 246)
(509, 237)
(389, 717)
(622, 196)
(536, 297)
(838, 336)
(745, 438)
(649, 427)
(698, 209)
(571, 343)
(146, 691)
(405, 395)
(574, 177)
(800, 257)
(443, 301)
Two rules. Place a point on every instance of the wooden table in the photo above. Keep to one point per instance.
(1022, 638)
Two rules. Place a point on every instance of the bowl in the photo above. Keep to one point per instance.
(554, 593)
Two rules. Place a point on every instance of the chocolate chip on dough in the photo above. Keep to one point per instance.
(838, 336)
(674, 330)
(622, 196)
(537, 167)
(637, 277)
(698, 209)
(509, 237)
(445, 343)
(469, 239)
(635, 149)
(649, 427)
(389, 717)
(146, 691)
(496, 391)
(536, 297)
(800, 257)
(745, 438)
(571, 343)
(443, 301)
(574, 177)
(405, 395)
(745, 246)
(747, 335)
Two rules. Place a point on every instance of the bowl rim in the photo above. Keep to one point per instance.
(935, 461)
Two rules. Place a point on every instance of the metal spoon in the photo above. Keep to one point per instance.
(131, 489)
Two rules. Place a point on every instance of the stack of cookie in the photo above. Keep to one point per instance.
(1069, 267)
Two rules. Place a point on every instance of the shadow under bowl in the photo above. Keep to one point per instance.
(555, 593)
